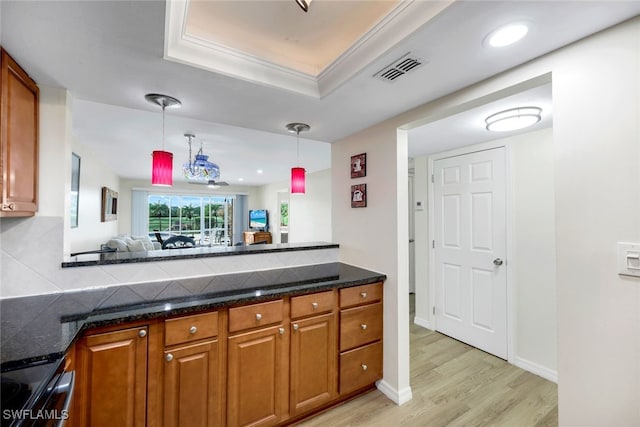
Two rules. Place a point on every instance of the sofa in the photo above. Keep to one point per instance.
(128, 243)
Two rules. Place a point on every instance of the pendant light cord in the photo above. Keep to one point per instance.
(163, 107)
(298, 148)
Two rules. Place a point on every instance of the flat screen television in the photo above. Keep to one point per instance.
(259, 219)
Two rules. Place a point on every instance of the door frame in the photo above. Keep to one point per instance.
(510, 263)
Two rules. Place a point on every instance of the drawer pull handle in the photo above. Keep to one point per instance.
(142, 333)
(314, 305)
(363, 294)
(169, 357)
(258, 317)
(8, 206)
(281, 331)
(193, 330)
(295, 327)
(364, 327)
(364, 367)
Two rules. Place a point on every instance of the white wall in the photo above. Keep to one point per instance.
(368, 237)
(534, 245)
(309, 213)
(54, 181)
(596, 91)
(91, 231)
(596, 104)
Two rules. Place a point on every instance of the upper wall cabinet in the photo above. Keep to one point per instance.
(19, 140)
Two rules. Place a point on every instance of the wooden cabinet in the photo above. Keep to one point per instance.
(112, 379)
(192, 372)
(257, 377)
(314, 355)
(18, 139)
(360, 337)
(252, 237)
(262, 364)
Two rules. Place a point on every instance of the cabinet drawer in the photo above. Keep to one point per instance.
(360, 325)
(306, 305)
(360, 367)
(365, 294)
(254, 315)
(190, 328)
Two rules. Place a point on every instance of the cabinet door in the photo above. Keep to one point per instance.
(191, 382)
(19, 140)
(314, 358)
(257, 377)
(112, 379)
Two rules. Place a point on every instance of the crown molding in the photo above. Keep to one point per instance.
(404, 19)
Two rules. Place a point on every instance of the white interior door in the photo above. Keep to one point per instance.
(470, 249)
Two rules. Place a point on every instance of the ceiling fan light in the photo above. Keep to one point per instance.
(297, 180)
(513, 119)
(304, 4)
(162, 168)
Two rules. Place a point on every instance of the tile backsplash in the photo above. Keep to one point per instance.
(31, 255)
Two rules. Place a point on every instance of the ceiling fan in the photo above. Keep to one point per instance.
(211, 183)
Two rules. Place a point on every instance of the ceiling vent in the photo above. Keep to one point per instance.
(399, 68)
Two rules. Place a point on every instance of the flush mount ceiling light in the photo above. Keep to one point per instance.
(304, 4)
(507, 35)
(199, 170)
(513, 119)
(297, 173)
(162, 166)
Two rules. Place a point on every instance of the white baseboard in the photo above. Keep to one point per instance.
(534, 368)
(422, 322)
(398, 397)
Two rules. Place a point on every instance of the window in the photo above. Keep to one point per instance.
(206, 219)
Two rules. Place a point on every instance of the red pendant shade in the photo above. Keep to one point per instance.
(162, 170)
(297, 180)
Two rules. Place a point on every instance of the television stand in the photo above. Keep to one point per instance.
(252, 237)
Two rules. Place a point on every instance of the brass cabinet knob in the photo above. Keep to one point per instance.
(364, 327)
(314, 305)
(364, 367)
(295, 327)
(281, 331)
(363, 294)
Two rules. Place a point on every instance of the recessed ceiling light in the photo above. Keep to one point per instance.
(240, 179)
(259, 171)
(509, 34)
(513, 119)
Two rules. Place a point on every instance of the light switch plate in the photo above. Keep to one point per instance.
(629, 259)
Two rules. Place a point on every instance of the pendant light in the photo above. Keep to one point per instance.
(297, 173)
(162, 166)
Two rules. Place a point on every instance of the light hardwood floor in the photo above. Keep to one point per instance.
(453, 384)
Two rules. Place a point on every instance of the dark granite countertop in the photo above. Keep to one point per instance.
(187, 253)
(39, 329)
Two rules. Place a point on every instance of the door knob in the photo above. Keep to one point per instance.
(497, 262)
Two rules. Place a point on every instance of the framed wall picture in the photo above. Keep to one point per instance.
(75, 189)
(359, 196)
(109, 205)
(359, 165)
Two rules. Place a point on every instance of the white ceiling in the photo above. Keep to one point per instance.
(111, 53)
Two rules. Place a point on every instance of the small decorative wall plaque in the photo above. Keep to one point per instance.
(359, 196)
(359, 165)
